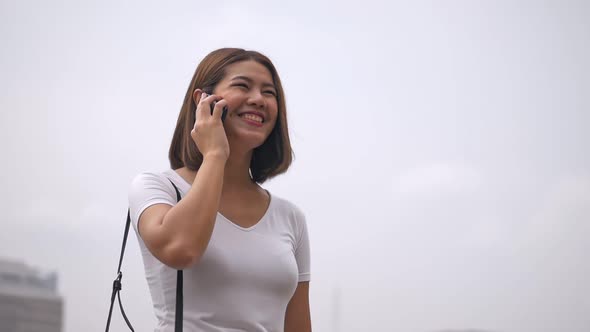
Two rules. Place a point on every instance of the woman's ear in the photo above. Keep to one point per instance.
(197, 96)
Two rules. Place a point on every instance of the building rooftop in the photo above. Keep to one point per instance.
(19, 279)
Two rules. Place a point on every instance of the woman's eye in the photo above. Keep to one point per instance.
(270, 92)
(242, 85)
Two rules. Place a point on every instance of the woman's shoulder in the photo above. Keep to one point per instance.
(151, 178)
(285, 206)
(291, 216)
(150, 181)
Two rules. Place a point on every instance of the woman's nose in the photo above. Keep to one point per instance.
(256, 98)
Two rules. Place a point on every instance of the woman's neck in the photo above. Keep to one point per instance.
(237, 174)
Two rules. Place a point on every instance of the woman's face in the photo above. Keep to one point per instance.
(251, 98)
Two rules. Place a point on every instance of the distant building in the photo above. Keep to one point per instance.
(29, 301)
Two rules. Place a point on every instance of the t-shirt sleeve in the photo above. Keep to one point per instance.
(302, 250)
(146, 190)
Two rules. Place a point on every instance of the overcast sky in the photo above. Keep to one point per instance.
(442, 150)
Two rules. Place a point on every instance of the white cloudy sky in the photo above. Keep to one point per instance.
(442, 150)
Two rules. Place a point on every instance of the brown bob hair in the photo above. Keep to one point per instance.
(271, 158)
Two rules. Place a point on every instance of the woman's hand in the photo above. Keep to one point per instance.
(208, 132)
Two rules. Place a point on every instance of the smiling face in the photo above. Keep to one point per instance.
(251, 97)
(256, 124)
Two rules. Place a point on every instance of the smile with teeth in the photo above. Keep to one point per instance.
(252, 117)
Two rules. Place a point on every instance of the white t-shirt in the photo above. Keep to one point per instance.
(245, 278)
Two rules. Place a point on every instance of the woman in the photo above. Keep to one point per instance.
(244, 252)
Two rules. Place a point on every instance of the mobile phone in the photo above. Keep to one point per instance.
(222, 114)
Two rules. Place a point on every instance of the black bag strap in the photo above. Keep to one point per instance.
(179, 282)
(117, 282)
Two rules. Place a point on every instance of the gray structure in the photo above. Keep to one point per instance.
(29, 301)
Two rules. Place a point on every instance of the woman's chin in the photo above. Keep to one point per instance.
(246, 139)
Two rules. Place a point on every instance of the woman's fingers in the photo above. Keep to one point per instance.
(208, 133)
(205, 105)
(220, 110)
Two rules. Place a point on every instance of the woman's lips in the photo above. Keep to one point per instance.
(251, 122)
(252, 118)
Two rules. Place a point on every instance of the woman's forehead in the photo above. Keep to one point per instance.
(249, 70)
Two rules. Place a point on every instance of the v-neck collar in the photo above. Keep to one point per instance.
(185, 187)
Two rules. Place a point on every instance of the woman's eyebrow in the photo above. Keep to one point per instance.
(249, 80)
